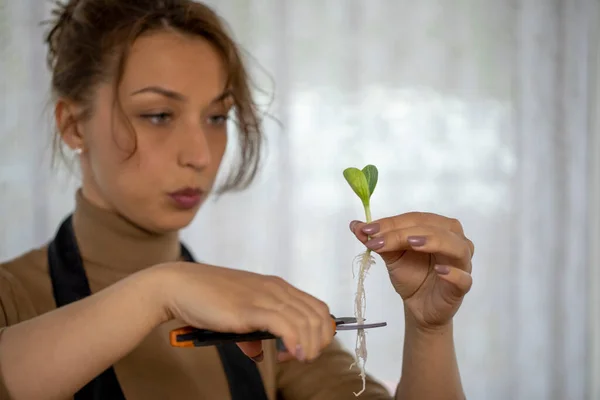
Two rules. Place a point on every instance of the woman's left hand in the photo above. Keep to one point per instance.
(428, 259)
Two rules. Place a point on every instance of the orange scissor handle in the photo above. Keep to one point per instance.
(176, 333)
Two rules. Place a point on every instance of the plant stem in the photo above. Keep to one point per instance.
(368, 212)
(369, 219)
(363, 265)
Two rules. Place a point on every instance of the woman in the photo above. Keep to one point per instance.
(142, 94)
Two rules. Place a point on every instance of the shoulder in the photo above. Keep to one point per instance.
(21, 279)
(26, 267)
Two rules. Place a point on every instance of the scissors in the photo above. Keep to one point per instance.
(189, 336)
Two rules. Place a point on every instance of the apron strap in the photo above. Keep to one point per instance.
(70, 284)
(242, 373)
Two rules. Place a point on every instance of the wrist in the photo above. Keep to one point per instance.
(429, 332)
(152, 285)
(413, 326)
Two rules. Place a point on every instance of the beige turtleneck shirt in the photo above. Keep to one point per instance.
(113, 248)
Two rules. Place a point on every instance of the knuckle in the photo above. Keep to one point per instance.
(455, 225)
(421, 217)
(315, 322)
(471, 247)
(397, 236)
(273, 282)
(285, 326)
(304, 323)
(413, 216)
(323, 308)
(466, 253)
(435, 239)
(467, 282)
(327, 336)
(291, 336)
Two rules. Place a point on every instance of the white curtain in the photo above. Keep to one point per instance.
(476, 109)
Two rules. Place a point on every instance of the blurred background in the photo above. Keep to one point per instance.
(482, 110)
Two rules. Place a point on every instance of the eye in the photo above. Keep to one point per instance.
(158, 118)
(218, 119)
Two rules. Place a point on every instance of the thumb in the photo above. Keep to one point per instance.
(254, 350)
(459, 281)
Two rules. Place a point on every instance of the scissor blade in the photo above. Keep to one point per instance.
(352, 327)
(345, 320)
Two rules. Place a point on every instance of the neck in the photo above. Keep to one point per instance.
(110, 240)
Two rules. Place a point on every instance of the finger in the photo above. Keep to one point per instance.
(281, 326)
(315, 317)
(306, 322)
(285, 356)
(460, 281)
(471, 246)
(318, 318)
(356, 227)
(310, 315)
(294, 310)
(254, 350)
(317, 322)
(282, 297)
(426, 239)
(402, 221)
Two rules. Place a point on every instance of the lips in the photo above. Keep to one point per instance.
(187, 198)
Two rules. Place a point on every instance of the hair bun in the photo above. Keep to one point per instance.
(62, 16)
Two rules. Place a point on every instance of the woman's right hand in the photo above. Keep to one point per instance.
(228, 300)
(116, 319)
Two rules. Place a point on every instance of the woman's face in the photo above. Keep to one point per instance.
(174, 96)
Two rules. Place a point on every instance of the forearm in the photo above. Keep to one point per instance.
(66, 348)
(429, 367)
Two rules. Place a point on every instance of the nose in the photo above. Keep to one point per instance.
(194, 149)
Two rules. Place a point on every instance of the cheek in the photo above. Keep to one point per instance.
(108, 136)
(152, 162)
(115, 160)
(217, 145)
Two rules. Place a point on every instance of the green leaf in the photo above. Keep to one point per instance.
(358, 182)
(371, 174)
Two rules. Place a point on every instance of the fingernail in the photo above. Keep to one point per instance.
(353, 224)
(280, 346)
(442, 269)
(300, 353)
(313, 359)
(416, 241)
(370, 229)
(259, 357)
(375, 244)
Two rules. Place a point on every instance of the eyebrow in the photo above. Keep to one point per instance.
(162, 91)
(178, 96)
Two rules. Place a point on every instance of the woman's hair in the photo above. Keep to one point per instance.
(89, 41)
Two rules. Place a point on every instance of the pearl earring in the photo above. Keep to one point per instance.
(78, 151)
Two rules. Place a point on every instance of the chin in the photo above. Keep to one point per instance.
(175, 220)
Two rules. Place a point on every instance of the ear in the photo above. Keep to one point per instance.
(65, 115)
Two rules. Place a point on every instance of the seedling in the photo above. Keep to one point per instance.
(363, 183)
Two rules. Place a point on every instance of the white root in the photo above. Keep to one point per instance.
(361, 357)
(365, 261)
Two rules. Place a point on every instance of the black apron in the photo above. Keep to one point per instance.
(70, 283)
